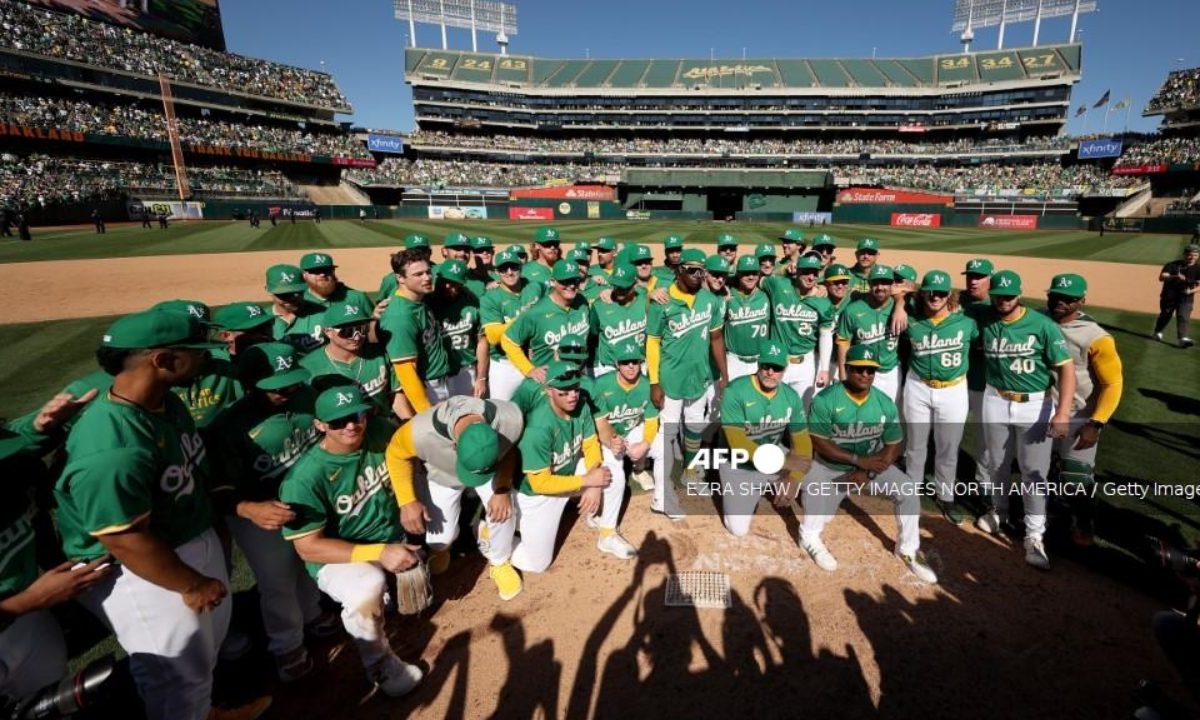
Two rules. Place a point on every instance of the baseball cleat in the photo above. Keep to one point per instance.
(644, 479)
(950, 511)
(1083, 533)
(1035, 554)
(1186, 342)
(919, 567)
(250, 711)
(657, 507)
(820, 554)
(592, 522)
(439, 562)
(990, 523)
(293, 665)
(617, 546)
(394, 676)
(507, 579)
(1158, 336)
(326, 625)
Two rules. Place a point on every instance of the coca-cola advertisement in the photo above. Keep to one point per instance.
(928, 220)
(1009, 222)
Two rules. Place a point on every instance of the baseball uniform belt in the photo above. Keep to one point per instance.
(938, 384)
(1013, 396)
(796, 359)
(747, 358)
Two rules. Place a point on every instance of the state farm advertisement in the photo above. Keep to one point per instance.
(916, 220)
(568, 192)
(884, 196)
(525, 213)
(1009, 222)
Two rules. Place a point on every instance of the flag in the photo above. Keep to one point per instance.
(1103, 99)
(1122, 105)
(1082, 109)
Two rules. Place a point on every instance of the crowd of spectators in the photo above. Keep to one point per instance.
(1181, 91)
(42, 181)
(1163, 150)
(425, 172)
(135, 121)
(73, 37)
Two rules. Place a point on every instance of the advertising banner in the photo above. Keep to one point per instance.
(568, 192)
(1008, 222)
(1140, 169)
(174, 210)
(854, 196)
(1101, 148)
(637, 214)
(530, 213)
(353, 162)
(452, 212)
(928, 220)
(593, 211)
(385, 144)
(816, 218)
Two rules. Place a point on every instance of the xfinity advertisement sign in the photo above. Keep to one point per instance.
(385, 144)
(1097, 149)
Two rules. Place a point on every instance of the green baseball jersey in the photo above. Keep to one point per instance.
(478, 281)
(304, 331)
(536, 273)
(859, 285)
(411, 332)
(940, 348)
(862, 324)
(859, 427)
(342, 295)
(530, 393)
(1020, 355)
(541, 327)
(796, 321)
(255, 444)
(214, 390)
(977, 310)
(500, 306)
(625, 407)
(125, 463)
(550, 441)
(460, 323)
(764, 417)
(348, 497)
(685, 369)
(21, 448)
(99, 381)
(388, 285)
(615, 324)
(665, 275)
(747, 322)
(592, 288)
(371, 370)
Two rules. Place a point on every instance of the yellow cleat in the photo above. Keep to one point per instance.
(507, 579)
(439, 562)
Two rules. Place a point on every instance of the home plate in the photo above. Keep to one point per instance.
(698, 589)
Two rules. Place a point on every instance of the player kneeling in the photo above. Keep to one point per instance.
(628, 425)
(347, 527)
(856, 439)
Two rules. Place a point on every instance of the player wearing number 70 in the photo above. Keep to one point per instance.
(1023, 351)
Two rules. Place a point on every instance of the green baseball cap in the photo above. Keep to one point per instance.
(717, 265)
(792, 235)
(339, 402)
(772, 353)
(482, 242)
(285, 279)
(692, 256)
(606, 244)
(823, 240)
(640, 253)
(519, 251)
(565, 270)
(476, 454)
(342, 314)
(316, 261)
(1068, 284)
(412, 242)
(573, 348)
(454, 271)
(867, 245)
(583, 245)
(747, 264)
(242, 316)
(978, 266)
(808, 262)
(456, 240)
(629, 351)
(1191, 248)
(508, 257)
(563, 375)
(673, 242)
(545, 236)
(192, 308)
(579, 255)
(905, 272)
(764, 250)
(861, 356)
(158, 329)
(1005, 283)
(271, 366)
(725, 240)
(935, 281)
(881, 272)
(623, 277)
(836, 271)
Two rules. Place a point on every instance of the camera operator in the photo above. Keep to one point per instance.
(1177, 632)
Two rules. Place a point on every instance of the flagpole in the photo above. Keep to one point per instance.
(1107, 110)
(1085, 117)
(1128, 107)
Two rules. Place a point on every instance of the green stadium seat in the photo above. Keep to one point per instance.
(439, 64)
(921, 68)
(830, 73)
(543, 69)
(956, 69)
(513, 69)
(474, 68)
(1044, 61)
(999, 66)
(628, 73)
(1071, 55)
(412, 58)
(596, 74)
(661, 74)
(567, 72)
(896, 73)
(795, 73)
(864, 73)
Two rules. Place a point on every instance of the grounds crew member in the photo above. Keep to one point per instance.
(856, 438)
(866, 254)
(975, 302)
(1179, 279)
(415, 344)
(935, 391)
(482, 274)
(419, 245)
(802, 323)
(560, 313)
(1024, 351)
(747, 319)
(460, 444)
(792, 243)
(547, 251)
(727, 247)
(297, 321)
(761, 409)
(324, 287)
(347, 527)
(866, 321)
(1099, 381)
(349, 353)
(499, 307)
(135, 487)
(618, 321)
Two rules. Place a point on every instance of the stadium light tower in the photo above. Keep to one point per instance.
(972, 14)
(473, 15)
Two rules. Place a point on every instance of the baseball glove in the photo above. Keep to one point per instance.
(414, 589)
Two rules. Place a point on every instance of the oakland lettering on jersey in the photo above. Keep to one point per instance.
(860, 430)
(576, 328)
(746, 315)
(798, 312)
(271, 466)
(689, 321)
(374, 386)
(451, 329)
(180, 480)
(625, 330)
(932, 344)
(1001, 347)
(17, 535)
(872, 333)
(559, 458)
(769, 425)
(626, 413)
(370, 481)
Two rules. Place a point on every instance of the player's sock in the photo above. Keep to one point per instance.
(691, 446)
(605, 532)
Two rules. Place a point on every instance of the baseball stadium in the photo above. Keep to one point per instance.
(757, 384)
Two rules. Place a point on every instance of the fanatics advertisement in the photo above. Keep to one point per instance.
(1009, 222)
(928, 220)
(874, 196)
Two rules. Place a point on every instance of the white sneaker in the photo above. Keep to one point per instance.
(394, 676)
(1186, 342)
(919, 567)
(1035, 554)
(617, 546)
(644, 479)
(820, 554)
(657, 507)
(1158, 336)
(989, 522)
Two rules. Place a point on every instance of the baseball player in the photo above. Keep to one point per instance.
(459, 444)
(1099, 382)
(561, 458)
(716, 278)
(935, 397)
(547, 250)
(324, 287)
(866, 321)
(764, 253)
(642, 260)
(497, 309)
(216, 386)
(1179, 279)
(482, 274)
(824, 246)
(976, 304)
(419, 245)
(255, 444)
(727, 247)
(792, 243)
(297, 321)
(866, 254)
(747, 320)
(672, 252)
(756, 410)
(135, 487)
(560, 313)
(457, 246)
(240, 325)
(802, 323)
(415, 344)
(347, 527)
(606, 258)
(457, 310)
(627, 422)
(349, 354)
(856, 439)
(573, 349)
(618, 321)
(1023, 352)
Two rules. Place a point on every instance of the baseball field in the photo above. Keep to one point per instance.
(592, 637)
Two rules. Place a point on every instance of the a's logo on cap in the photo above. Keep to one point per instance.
(939, 278)
(1064, 282)
(287, 277)
(344, 399)
(350, 309)
(867, 355)
(108, 338)
(1005, 282)
(974, 264)
(319, 258)
(195, 312)
(253, 310)
(774, 349)
(283, 362)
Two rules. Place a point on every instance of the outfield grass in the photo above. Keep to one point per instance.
(227, 237)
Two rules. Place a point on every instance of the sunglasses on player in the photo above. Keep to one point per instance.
(348, 331)
(342, 422)
(694, 271)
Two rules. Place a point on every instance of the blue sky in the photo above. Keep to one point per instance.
(1128, 47)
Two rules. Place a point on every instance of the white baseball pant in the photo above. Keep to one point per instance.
(539, 519)
(32, 655)
(444, 505)
(287, 597)
(359, 589)
(503, 379)
(678, 415)
(438, 390)
(1024, 425)
(740, 494)
(616, 463)
(172, 650)
(889, 383)
(739, 368)
(822, 496)
(982, 472)
(942, 412)
(1066, 446)
(802, 377)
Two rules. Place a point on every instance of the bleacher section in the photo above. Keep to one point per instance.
(1178, 102)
